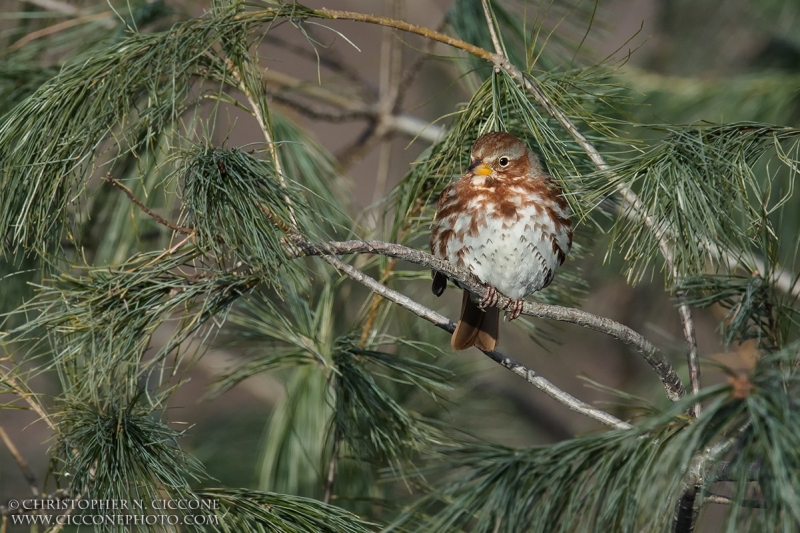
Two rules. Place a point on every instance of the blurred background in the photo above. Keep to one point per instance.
(686, 61)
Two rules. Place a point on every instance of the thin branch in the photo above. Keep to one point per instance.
(351, 109)
(55, 28)
(691, 351)
(686, 512)
(446, 324)
(158, 218)
(665, 371)
(328, 59)
(724, 500)
(297, 246)
(29, 398)
(331, 478)
(498, 47)
(23, 464)
(408, 27)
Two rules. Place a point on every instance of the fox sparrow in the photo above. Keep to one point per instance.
(507, 222)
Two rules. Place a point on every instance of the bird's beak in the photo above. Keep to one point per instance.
(479, 168)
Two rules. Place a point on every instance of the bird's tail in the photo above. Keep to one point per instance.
(476, 327)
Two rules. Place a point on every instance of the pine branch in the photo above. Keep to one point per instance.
(350, 109)
(446, 324)
(650, 353)
(158, 218)
(21, 462)
(299, 247)
(28, 397)
(633, 206)
(498, 47)
(691, 349)
(330, 479)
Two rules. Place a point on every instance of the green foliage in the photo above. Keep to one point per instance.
(755, 310)
(100, 324)
(121, 452)
(43, 174)
(375, 426)
(116, 102)
(701, 193)
(296, 436)
(625, 480)
(766, 97)
(534, 35)
(362, 414)
(249, 510)
(335, 389)
(239, 207)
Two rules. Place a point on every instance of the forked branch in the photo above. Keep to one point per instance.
(468, 281)
(446, 324)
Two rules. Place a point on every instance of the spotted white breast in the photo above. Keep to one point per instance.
(512, 237)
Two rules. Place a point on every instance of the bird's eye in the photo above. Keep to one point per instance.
(503, 161)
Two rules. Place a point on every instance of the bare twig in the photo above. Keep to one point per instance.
(23, 464)
(55, 28)
(158, 218)
(691, 350)
(297, 246)
(468, 281)
(331, 477)
(351, 109)
(498, 47)
(28, 397)
(327, 59)
(446, 324)
(686, 512)
(724, 500)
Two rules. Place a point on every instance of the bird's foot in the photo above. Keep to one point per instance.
(514, 309)
(489, 298)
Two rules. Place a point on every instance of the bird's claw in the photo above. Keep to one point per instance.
(489, 298)
(515, 309)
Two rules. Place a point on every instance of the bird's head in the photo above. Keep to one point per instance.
(500, 155)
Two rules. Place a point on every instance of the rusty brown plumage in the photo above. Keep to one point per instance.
(508, 222)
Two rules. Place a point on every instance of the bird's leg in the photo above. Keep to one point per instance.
(489, 298)
(515, 309)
